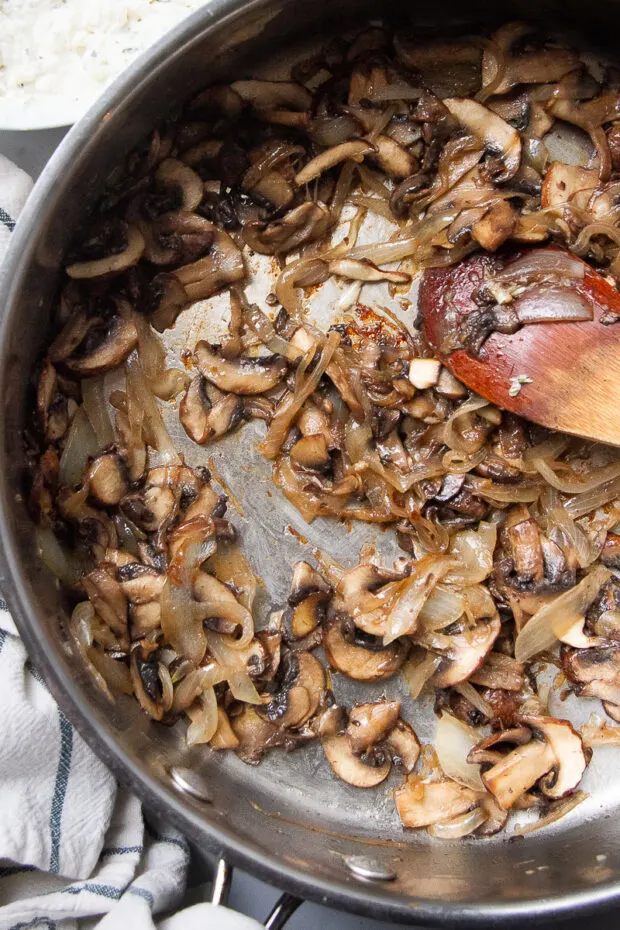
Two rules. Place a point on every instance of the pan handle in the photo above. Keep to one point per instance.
(285, 906)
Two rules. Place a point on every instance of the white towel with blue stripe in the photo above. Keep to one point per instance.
(75, 849)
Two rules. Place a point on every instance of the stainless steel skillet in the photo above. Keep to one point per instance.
(288, 820)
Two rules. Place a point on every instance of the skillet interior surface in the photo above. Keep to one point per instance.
(288, 820)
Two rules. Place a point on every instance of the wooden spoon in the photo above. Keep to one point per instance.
(563, 375)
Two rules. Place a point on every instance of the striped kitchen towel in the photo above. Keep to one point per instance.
(75, 849)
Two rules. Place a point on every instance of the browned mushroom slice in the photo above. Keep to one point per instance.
(518, 771)
(167, 298)
(404, 745)
(106, 596)
(567, 747)
(359, 656)
(240, 375)
(111, 264)
(467, 653)
(308, 599)
(568, 185)
(395, 159)
(499, 671)
(369, 723)
(41, 500)
(255, 734)
(173, 172)
(204, 421)
(597, 671)
(493, 748)
(140, 583)
(207, 503)
(150, 509)
(541, 66)
(224, 737)
(499, 137)
(144, 618)
(495, 227)
(273, 95)
(350, 768)
(222, 266)
(421, 803)
(145, 679)
(105, 347)
(306, 223)
(107, 479)
(52, 407)
(361, 595)
(355, 150)
(218, 601)
(303, 688)
(311, 452)
(71, 335)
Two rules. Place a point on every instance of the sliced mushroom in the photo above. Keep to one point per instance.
(355, 150)
(113, 343)
(395, 159)
(541, 66)
(240, 375)
(567, 747)
(273, 95)
(403, 745)
(350, 768)
(106, 596)
(107, 479)
(255, 734)
(499, 137)
(224, 737)
(311, 452)
(204, 421)
(111, 264)
(302, 688)
(568, 184)
(421, 803)
(495, 227)
(171, 171)
(493, 748)
(518, 771)
(370, 723)
(309, 596)
(207, 503)
(597, 671)
(306, 223)
(145, 679)
(52, 407)
(140, 583)
(222, 266)
(144, 619)
(467, 653)
(167, 298)
(361, 657)
(150, 509)
(218, 601)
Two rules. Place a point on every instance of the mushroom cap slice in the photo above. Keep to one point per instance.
(240, 375)
(404, 745)
(300, 697)
(121, 337)
(111, 264)
(515, 774)
(203, 421)
(354, 150)
(569, 754)
(107, 480)
(497, 135)
(468, 653)
(420, 804)
(350, 767)
(369, 723)
(358, 662)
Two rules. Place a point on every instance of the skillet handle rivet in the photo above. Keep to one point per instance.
(190, 782)
(369, 869)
